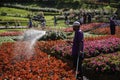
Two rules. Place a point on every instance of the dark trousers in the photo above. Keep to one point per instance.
(112, 30)
(80, 68)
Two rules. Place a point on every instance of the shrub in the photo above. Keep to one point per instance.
(54, 35)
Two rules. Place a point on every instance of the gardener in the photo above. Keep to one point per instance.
(112, 26)
(43, 22)
(30, 23)
(84, 18)
(89, 18)
(77, 50)
(55, 21)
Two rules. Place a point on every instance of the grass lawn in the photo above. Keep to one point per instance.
(13, 15)
(6, 30)
(14, 11)
(13, 20)
(1, 31)
(49, 18)
(8, 18)
(50, 22)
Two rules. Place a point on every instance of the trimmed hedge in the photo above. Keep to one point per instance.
(31, 8)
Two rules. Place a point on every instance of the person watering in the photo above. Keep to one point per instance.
(77, 50)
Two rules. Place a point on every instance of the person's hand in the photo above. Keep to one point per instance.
(82, 55)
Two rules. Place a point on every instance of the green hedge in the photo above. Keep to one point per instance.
(31, 8)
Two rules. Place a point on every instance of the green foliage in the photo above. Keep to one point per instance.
(15, 38)
(53, 35)
(70, 3)
(29, 8)
(13, 12)
(3, 14)
(5, 39)
(8, 18)
(12, 20)
(2, 31)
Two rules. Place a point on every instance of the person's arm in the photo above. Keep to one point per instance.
(81, 41)
(81, 45)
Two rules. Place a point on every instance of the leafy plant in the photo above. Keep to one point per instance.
(53, 35)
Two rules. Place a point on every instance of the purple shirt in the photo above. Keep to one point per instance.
(78, 38)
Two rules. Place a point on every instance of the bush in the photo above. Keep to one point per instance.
(54, 35)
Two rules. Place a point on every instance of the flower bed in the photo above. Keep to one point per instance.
(105, 31)
(94, 48)
(12, 33)
(104, 63)
(91, 48)
(85, 27)
(99, 37)
(88, 27)
(49, 44)
(39, 66)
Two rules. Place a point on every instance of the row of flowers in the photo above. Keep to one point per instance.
(91, 48)
(104, 63)
(98, 37)
(94, 48)
(105, 31)
(85, 27)
(12, 33)
(15, 65)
